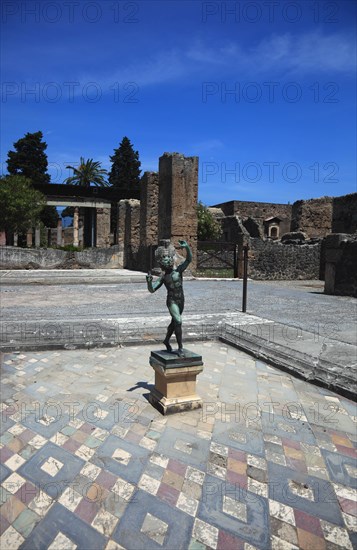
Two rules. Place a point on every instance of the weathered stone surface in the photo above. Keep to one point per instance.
(149, 208)
(274, 260)
(233, 229)
(128, 236)
(341, 264)
(344, 214)
(296, 236)
(175, 381)
(149, 214)
(12, 257)
(313, 216)
(249, 217)
(103, 227)
(178, 190)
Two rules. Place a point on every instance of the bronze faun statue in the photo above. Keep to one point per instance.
(172, 279)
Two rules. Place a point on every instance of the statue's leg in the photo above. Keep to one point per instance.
(170, 331)
(177, 325)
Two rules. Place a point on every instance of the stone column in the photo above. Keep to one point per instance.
(59, 232)
(178, 189)
(75, 227)
(29, 238)
(37, 237)
(149, 216)
(103, 227)
(16, 238)
(121, 216)
(2, 238)
(132, 233)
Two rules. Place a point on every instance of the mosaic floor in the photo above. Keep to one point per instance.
(87, 463)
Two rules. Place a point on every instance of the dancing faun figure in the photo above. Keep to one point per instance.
(172, 279)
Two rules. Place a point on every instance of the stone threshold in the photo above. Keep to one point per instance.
(326, 362)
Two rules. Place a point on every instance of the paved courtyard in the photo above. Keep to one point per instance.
(87, 463)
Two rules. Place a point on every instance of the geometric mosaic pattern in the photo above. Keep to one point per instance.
(86, 462)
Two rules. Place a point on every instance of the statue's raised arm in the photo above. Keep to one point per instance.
(186, 263)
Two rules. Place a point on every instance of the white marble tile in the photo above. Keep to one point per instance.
(280, 544)
(219, 449)
(183, 446)
(281, 511)
(205, 533)
(197, 476)
(14, 462)
(123, 489)
(187, 504)
(11, 539)
(104, 522)
(41, 504)
(52, 466)
(154, 528)
(61, 542)
(235, 508)
(85, 452)
(13, 483)
(336, 535)
(159, 460)
(70, 499)
(91, 471)
(149, 484)
(37, 441)
(122, 456)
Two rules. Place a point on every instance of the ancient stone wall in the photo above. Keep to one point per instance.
(232, 227)
(121, 217)
(13, 257)
(341, 264)
(259, 211)
(344, 214)
(149, 212)
(178, 189)
(128, 236)
(132, 233)
(274, 260)
(149, 208)
(103, 227)
(313, 217)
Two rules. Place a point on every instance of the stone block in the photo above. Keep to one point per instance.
(175, 381)
(335, 239)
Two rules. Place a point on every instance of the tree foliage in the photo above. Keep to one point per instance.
(208, 227)
(68, 212)
(88, 172)
(20, 204)
(125, 171)
(49, 216)
(29, 158)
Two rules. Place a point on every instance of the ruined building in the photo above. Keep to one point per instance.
(285, 241)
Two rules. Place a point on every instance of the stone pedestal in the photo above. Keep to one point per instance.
(175, 381)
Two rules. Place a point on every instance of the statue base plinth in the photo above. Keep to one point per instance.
(175, 381)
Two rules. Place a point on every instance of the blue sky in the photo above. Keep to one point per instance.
(263, 92)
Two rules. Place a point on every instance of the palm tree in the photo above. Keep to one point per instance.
(87, 172)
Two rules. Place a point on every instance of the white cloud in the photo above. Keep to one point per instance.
(290, 54)
(207, 145)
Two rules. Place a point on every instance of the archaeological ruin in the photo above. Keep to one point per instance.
(310, 239)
